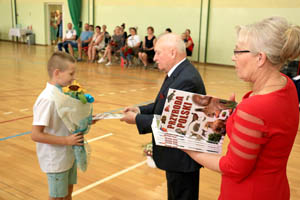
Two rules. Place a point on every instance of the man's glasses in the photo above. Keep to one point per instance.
(235, 52)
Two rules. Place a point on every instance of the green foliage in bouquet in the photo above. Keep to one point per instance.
(77, 92)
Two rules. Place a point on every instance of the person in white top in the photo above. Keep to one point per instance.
(97, 43)
(54, 141)
(131, 47)
(69, 38)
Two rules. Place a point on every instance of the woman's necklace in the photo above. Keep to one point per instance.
(270, 86)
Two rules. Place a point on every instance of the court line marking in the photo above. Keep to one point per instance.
(13, 136)
(108, 178)
(25, 133)
(12, 120)
(100, 137)
(7, 113)
(100, 95)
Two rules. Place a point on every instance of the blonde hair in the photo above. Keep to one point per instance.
(59, 60)
(273, 36)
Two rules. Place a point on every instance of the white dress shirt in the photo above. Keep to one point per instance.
(174, 67)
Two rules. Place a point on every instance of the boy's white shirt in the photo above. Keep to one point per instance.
(52, 158)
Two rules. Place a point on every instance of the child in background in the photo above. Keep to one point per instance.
(54, 140)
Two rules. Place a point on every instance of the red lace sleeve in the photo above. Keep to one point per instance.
(247, 136)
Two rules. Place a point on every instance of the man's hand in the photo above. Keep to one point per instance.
(129, 117)
(75, 139)
(131, 109)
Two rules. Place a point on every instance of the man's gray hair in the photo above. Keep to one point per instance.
(175, 40)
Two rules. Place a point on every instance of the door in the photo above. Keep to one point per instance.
(53, 11)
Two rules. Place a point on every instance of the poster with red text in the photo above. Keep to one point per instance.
(192, 121)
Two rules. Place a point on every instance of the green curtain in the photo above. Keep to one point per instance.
(75, 11)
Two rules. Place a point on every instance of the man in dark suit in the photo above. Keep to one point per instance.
(181, 171)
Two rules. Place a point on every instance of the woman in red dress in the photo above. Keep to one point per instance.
(189, 43)
(263, 127)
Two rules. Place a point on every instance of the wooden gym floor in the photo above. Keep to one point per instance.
(117, 169)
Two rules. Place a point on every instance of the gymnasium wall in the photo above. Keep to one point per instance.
(30, 13)
(226, 15)
(175, 14)
(213, 30)
(5, 18)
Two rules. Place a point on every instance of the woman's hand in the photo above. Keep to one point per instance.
(232, 97)
(210, 161)
(190, 152)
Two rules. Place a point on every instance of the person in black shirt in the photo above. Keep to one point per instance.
(125, 36)
(148, 53)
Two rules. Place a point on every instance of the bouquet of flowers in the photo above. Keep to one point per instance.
(148, 151)
(75, 109)
(126, 50)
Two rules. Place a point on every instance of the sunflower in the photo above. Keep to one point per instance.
(74, 87)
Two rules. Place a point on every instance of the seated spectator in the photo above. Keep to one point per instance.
(189, 44)
(168, 30)
(131, 47)
(96, 44)
(114, 46)
(70, 38)
(124, 33)
(91, 28)
(148, 53)
(83, 41)
(107, 37)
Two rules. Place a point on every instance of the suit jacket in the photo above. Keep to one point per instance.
(187, 78)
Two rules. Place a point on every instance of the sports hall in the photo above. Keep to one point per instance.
(117, 168)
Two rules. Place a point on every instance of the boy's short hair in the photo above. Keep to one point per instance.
(59, 60)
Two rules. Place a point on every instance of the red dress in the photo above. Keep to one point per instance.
(191, 47)
(262, 131)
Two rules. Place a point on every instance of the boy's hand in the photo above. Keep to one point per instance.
(94, 121)
(75, 139)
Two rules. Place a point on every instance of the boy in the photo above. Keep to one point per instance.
(54, 140)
